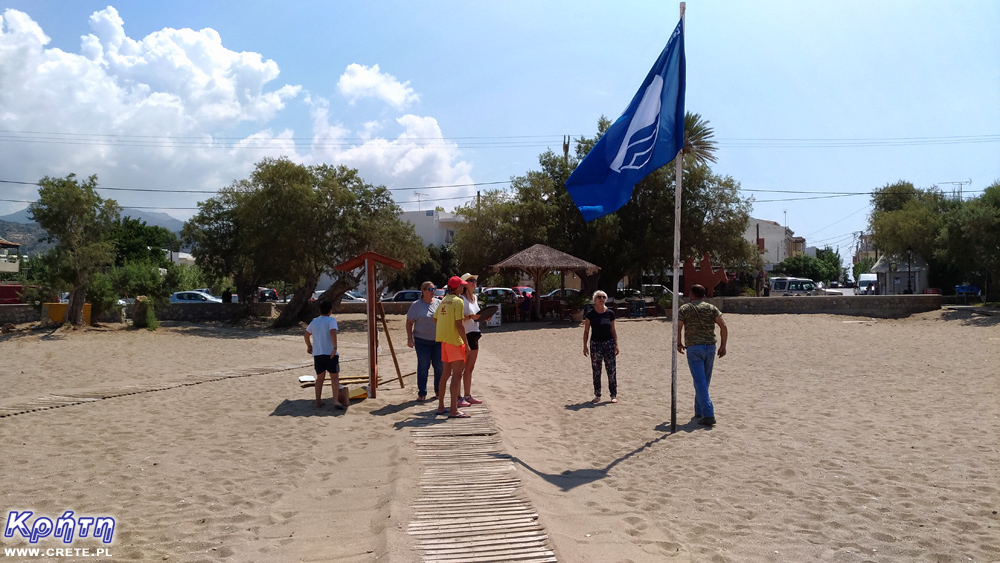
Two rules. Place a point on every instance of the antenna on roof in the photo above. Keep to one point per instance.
(418, 194)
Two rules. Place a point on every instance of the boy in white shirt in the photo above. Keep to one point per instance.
(323, 329)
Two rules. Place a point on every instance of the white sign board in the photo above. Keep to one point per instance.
(495, 319)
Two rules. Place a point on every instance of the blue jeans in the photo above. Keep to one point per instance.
(428, 352)
(701, 358)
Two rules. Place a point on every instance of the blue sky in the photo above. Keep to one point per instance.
(804, 96)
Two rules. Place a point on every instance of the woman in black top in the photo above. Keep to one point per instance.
(603, 344)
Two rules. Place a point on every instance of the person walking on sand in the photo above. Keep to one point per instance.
(323, 330)
(451, 334)
(472, 334)
(603, 344)
(696, 327)
(421, 335)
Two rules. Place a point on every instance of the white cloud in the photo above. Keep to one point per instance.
(418, 157)
(359, 81)
(160, 113)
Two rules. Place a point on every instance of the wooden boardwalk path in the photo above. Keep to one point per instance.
(470, 507)
(70, 398)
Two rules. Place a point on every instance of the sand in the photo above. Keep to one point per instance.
(838, 439)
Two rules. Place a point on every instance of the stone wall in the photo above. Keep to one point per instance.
(197, 312)
(879, 306)
(18, 314)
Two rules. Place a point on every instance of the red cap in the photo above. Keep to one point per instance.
(454, 282)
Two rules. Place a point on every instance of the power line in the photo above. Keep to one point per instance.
(474, 184)
(485, 141)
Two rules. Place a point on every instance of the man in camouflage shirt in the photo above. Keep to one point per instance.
(699, 318)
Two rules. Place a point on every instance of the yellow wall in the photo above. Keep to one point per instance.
(57, 312)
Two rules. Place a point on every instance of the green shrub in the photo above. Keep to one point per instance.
(144, 314)
(101, 295)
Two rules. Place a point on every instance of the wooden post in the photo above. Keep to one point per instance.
(395, 361)
(369, 261)
(372, 329)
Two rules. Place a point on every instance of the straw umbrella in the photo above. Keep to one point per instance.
(540, 259)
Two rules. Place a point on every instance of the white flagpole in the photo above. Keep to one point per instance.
(675, 301)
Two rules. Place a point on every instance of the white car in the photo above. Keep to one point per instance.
(193, 297)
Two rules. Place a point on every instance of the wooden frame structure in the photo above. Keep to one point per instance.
(370, 260)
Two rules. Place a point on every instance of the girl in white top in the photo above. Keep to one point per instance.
(472, 335)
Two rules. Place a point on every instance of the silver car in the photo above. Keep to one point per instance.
(193, 297)
(789, 287)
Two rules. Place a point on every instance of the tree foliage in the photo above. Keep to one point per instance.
(135, 240)
(817, 269)
(636, 239)
(78, 221)
(959, 239)
(291, 223)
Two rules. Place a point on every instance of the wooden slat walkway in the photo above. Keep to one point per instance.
(471, 508)
(92, 395)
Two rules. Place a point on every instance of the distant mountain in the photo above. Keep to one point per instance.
(28, 235)
(21, 216)
(151, 218)
(154, 219)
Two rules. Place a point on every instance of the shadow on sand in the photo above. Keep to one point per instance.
(572, 478)
(305, 407)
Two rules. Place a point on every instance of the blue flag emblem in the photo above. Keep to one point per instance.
(648, 135)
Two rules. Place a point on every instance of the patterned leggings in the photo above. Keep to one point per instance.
(604, 351)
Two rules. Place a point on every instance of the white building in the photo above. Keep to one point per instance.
(775, 242)
(433, 226)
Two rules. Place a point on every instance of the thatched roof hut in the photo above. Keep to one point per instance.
(540, 259)
(545, 258)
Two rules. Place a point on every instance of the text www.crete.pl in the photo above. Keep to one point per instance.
(56, 552)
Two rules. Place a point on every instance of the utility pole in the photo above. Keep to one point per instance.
(566, 149)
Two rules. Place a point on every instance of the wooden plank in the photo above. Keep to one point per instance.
(464, 531)
(517, 519)
(538, 555)
(484, 537)
(504, 547)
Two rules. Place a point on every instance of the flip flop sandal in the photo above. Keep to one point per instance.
(460, 415)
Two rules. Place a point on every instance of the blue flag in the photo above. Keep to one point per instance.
(647, 136)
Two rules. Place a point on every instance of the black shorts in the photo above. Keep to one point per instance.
(326, 363)
(473, 339)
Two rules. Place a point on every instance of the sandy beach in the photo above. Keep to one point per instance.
(838, 439)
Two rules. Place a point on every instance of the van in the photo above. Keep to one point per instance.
(790, 287)
(863, 281)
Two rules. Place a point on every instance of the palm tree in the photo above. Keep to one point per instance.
(698, 138)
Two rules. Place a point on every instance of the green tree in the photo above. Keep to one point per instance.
(969, 238)
(699, 139)
(135, 240)
(907, 218)
(438, 267)
(78, 221)
(636, 239)
(290, 223)
(832, 264)
(803, 266)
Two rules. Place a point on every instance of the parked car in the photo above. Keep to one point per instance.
(266, 294)
(824, 291)
(523, 288)
(790, 287)
(405, 296)
(440, 292)
(500, 295)
(561, 293)
(193, 297)
(353, 297)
